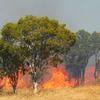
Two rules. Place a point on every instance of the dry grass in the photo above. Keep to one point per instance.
(80, 93)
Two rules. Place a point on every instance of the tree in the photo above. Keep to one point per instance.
(77, 57)
(95, 47)
(11, 52)
(44, 39)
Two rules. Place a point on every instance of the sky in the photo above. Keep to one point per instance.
(76, 14)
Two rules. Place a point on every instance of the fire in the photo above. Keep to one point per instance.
(21, 83)
(59, 79)
(5, 83)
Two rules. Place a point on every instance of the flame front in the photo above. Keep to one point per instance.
(59, 79)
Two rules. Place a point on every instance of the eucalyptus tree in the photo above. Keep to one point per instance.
(77, 57)
(44, 39)
(11, 52)
(95, 48)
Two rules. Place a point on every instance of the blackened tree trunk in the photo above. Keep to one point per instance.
(14, 79)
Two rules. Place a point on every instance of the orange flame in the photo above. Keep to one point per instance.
(59, 79)
(5, 83)
(21, 83)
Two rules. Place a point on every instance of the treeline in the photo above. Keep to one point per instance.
(35, 41)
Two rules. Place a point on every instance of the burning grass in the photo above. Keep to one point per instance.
(59, 79)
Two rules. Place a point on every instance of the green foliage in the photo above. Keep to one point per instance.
(11, 52)
(95, 41)
(44, 37)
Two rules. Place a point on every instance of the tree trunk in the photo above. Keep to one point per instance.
(35, 83)
(14, 88)
(96, 65)
(14, 80)
(35, 87)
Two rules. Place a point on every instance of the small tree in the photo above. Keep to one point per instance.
(11, 52)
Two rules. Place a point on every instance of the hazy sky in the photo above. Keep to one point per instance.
(76, 14)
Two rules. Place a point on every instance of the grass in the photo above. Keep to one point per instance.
(89, 92)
